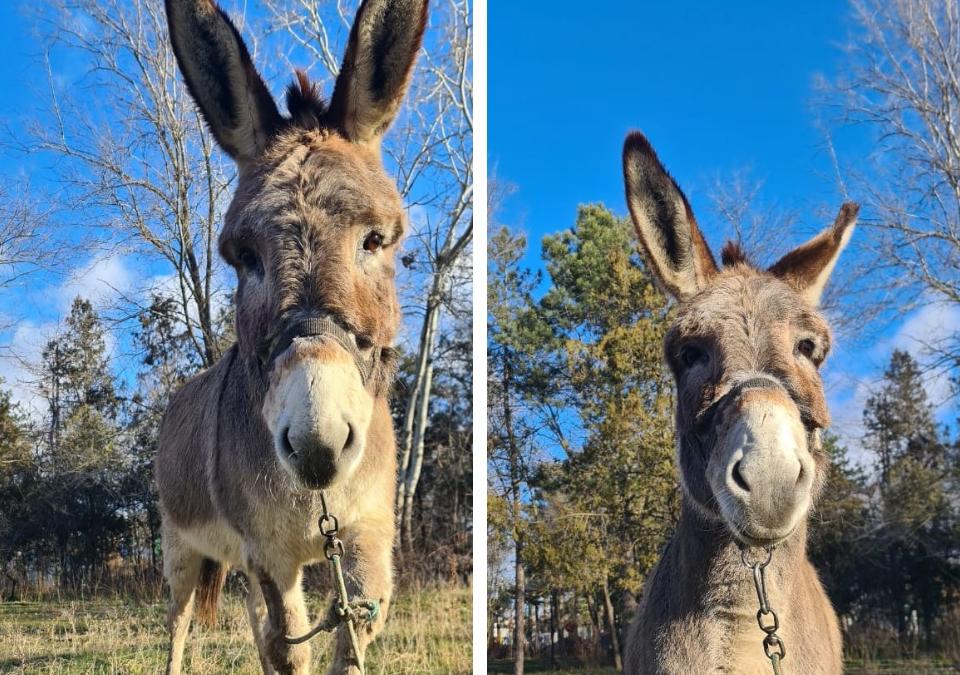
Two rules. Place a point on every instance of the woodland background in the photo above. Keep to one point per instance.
(112, 293)
(583, 492)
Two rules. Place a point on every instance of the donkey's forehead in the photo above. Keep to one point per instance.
(320, 171)
(747, 299)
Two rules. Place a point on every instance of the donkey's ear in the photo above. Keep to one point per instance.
(808, 267)
(383, 44)
(221, 77)
(672, 244)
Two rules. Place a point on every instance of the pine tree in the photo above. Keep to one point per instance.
(83, 464)
(898, 417)
(608, 321)
(840, 540)
(917, 511)
(511, 346)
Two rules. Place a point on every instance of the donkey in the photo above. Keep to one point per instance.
(299, 403)
(745, 346)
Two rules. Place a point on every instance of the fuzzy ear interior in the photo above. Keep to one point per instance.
(375, 74)
(221, 78)
(670, 239)
(808, 267)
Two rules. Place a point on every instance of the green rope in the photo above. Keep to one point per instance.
(345, 612)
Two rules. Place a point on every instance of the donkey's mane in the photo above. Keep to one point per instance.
(733, 254)
(307, 108)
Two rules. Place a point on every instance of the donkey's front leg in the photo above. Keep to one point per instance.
(368, 569)
(287, 616)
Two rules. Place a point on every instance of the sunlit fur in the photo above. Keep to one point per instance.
(311, 188)
(745, 346)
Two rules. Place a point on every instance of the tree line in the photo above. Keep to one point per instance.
(78, 504)
(584, 491)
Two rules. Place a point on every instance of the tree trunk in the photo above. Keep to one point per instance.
(611, 622)
(554, 633)
(536, 627)
(420, 418)
(595, 625)
(518, 612)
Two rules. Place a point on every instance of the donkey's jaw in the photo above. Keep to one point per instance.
(762, 475)
(318, 412)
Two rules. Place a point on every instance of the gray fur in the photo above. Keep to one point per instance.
(698, 609)
(308, 196)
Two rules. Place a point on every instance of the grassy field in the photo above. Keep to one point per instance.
(542, 667)
(428, 632)
(913, 667)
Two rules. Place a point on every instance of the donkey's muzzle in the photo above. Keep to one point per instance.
(315, 458)
(765, 474)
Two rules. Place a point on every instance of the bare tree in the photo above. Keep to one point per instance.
(23, 242)
(765, 230)
(132, 153)
(903, 84)
(430, 150)
(735, 201)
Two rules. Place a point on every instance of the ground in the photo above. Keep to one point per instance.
(914, 667)
(542, 667)
(429, 631)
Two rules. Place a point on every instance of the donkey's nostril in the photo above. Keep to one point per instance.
(738, 478)
(346, 446)
(285, 441)
(800, 475)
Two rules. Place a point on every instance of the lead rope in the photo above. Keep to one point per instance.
(772, 644)
(344, 612)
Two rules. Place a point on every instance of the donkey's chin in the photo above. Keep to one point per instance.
(745, 528)
(762, 538)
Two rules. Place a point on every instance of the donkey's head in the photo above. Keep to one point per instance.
(745, 348)
(314, 226)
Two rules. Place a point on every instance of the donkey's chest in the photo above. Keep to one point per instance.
(293, 535)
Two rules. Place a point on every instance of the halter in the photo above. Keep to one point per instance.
(324, 326)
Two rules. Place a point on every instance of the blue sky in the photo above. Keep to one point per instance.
(718, 88)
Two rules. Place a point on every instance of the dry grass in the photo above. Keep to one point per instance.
(429, 631)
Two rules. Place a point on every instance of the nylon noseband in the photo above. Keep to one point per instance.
(326, 327)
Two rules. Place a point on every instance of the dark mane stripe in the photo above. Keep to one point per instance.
(733, 254)
(307, 108)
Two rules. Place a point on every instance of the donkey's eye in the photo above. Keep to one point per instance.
(807, 348)
(250, 260)
(691, 355)
(373, 242)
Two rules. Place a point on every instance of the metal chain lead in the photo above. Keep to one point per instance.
(333, 549)
(773, 645)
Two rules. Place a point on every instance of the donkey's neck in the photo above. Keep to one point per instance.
(705, 560)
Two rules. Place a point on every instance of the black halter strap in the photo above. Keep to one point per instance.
(705, 419)
(326, 327)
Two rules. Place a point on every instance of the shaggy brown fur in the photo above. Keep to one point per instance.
(698, 608)
(311, 191)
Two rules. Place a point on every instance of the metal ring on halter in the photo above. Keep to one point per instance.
(743, 556)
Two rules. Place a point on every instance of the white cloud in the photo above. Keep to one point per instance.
(921, 333)
(24, 349)
(100, 281)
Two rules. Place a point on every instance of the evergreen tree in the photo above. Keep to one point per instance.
(83, 464)
(917, 510)
(512, 343)
(840, 544)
